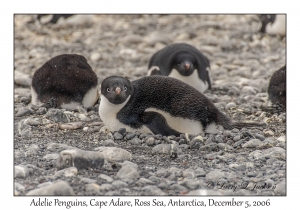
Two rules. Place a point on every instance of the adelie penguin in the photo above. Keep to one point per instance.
(277, 88)
(184, 62)
(65, 81)
(159, 105)
(273, 24)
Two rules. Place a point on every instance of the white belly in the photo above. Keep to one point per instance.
(89, 99)
(108, 114)
(278, 27)
(192, 80)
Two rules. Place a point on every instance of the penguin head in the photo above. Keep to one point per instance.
(116, 89)
(266, 20)
(184, 63)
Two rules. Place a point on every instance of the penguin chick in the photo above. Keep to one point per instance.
(277, 88)
(159, 105)
(273, 24)
(65, 81)
(183, 62)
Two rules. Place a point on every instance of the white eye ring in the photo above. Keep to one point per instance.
(125, 88)
(108, 89)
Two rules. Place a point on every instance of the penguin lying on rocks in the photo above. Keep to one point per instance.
(277, 88)
(160, 105)
(65, 81)
(184, 62)
(273, 24)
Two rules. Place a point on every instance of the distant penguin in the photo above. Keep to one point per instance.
(273, 24)
(45, 18)
(65, 81)
(65, 19)
(184, 62)
(277, 88)
(159, 105)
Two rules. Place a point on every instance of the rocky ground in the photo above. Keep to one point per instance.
(250, 161)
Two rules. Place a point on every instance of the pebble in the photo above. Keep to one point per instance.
(252, 143)
(118, 136)
(128, 173)
(92, 189)
(280, 188)
(67, 172)
(58, 188)
(41, 111)
(129, 136)
(88, 180)
(119, 184)
(108, 143)
(215, 175)
(113, 154)
(143, 181)
(178, 188)
(23, 111)
(106, 178)
(57, 115)
(230, 105)
(80, 159)
(135, 141)
(274, 152)
(21, 171)
(71, 125)
(106, 187)
(152, 190)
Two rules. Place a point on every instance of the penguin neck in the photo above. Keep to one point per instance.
(193, 80)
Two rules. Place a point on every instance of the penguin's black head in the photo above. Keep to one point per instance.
(184, 63)
(265, 20)
(116, 89)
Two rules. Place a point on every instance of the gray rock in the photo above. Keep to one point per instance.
(143, 181)
(119, 184)
(129, 136)
(199, 172)
(33, 149)
(178, 188)
(215, 175)
(274, 152)
(92, 189)
(23, 111)
(22, 171)
(106, 187)
(58, 188)
(118, 136)
(150, 141)
(135, 141)
(252, 143)
(152, 190)
(113, 154)
(128, 173)
(188, 173)
(56, 147)
(41, 111)
(80, 159)
(67, 172)
(88, 180)
(230, 105)
(71, 125)
(108, 143)
(106, 178)
(280, 188)
(57, 115)
(19, 188)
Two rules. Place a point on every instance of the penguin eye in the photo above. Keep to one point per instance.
(125, 88)
(108, 89)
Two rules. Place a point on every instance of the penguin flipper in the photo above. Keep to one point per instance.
(157, 124)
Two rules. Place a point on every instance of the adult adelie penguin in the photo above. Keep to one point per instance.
(277, 88)
(184, 62)
(65, 81)
(273, 24)
(159, 105)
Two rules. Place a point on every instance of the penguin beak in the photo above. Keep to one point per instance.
(187, 66)
(118, 91)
